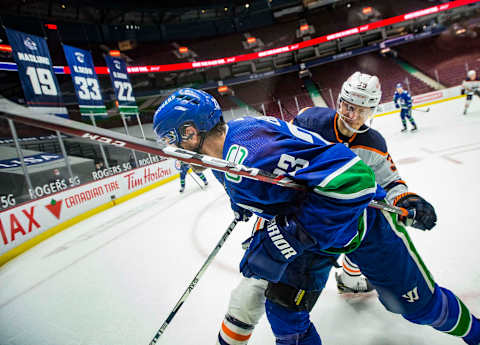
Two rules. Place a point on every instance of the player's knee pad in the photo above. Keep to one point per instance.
(310, 337)
(291, 298)
(247, 300)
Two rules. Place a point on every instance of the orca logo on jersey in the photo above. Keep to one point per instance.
(278, 240)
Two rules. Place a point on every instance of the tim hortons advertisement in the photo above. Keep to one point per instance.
(25, 221)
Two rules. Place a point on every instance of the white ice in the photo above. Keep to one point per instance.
(114, 278)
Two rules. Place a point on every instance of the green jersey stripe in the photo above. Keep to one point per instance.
(402, 233)
(464, 323)
(353, 180)
(343, 196)
(330, 177)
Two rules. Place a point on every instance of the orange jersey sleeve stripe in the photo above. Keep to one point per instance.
(233, 335)
(369, 149)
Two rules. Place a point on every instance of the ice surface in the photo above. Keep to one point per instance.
(114, 278)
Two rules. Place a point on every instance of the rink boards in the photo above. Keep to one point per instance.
(28, 224)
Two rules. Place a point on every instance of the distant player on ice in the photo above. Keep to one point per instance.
(403, 100)
(470, 87)
(184, 167)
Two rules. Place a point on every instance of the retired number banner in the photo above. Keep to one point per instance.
(121, 83)
(85, 81)
(35, 70)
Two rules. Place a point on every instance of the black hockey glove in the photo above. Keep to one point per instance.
(462, 92)
(424, 217)
(241, 214)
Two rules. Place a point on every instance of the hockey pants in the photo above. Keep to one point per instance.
(388, 258)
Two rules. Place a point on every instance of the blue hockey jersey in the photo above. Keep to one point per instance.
(404, 100)
(340, 184)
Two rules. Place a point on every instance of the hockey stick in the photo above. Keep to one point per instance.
(193, 178)
(422, 110)
(116, 139)
(194, 281)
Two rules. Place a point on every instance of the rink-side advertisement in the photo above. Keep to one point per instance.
(28, 220)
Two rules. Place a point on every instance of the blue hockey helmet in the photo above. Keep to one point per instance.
(186, 107)
(399, 86)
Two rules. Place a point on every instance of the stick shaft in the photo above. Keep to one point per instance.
(116, 139)
(194, 281)
(196, 181)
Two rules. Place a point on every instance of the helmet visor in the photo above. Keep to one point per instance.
(354, 113)
(170, 137)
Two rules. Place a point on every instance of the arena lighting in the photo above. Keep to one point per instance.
(460, 31)
(222, 89)
(304, 27)
(279, 50)
(183, 50)
(5, 48)
(367, 10)
(51, 26)
(114, 52)
(251, 40)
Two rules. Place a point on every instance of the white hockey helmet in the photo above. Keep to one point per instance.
(362, 89)
(472, 73)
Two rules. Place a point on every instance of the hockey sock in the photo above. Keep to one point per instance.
(202, 177)
(447, 313)
(182, 182)
(234, 332)
(310, 337)
(291, 327)
(350, 268)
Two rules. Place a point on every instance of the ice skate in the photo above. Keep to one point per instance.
(404, 129)
(414, 129)
(352, 284)
(182, 189)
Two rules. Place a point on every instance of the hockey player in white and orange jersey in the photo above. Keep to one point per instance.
(470, 87)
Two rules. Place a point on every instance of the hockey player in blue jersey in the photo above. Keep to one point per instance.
(470, 87)
(246, 305)
(305, 231)
(403, 100)
(184, 167)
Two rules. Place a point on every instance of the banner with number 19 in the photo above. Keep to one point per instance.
(36, 73)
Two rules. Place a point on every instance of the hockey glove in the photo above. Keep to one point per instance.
(397, 106)
(424, 217)
(462, 92)
(241, 214)
(274, 247)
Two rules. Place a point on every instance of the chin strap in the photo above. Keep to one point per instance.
(200, 144)
(356, 130)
